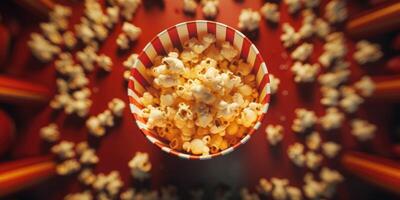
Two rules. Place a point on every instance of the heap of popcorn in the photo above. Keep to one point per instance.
(203, 99)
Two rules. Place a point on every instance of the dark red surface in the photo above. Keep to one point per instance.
(7, 132)
(243, 167)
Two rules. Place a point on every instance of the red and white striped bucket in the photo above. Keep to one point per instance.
(174, 37)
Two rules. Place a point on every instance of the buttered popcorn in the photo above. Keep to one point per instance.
(202, 99)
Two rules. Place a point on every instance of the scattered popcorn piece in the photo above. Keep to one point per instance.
(69, 39)
(95, 127)
(60, 100)
(64, 149)
(249, 20)
(79, 103)
(114, 186)
(81, 147)
(332, 119)
(130, 61)
(330, 96)
(289, 36)
(350, 101)
(296, 154)
(264, 186)
(128, 64)
(86, 195)
(274, 83)
(108, 185)
(50, 133)
(117, 107)
(140, 166)
(270, 12)
(274, 134)
(293, 5)
(311, 3)
(210, 9)
(131, 31)
(59, 15)
(50, 30)
(123, 41)
(330, 149)
(304, 72)
(87, 177)
(189, 6)
(313, 141)
(128, 8)
(279, 188)
(312, 188)
(365, 85)
(84, 32)
(68, 167)
(335, 49)
(321, 28)
(97, 124)
(87, 57)
(334, 79)
(100, 31)
(302, 52)
(304, 119)
(41, 48)
(89, 157)
(307, 29)
(104, 62)
(113, 16)
(313, 160)
(330, 178)
(336, 11)
(294, 193)
(93, 11)
(362, 129)
(367, 52)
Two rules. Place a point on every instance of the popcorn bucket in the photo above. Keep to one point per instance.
(174, 37)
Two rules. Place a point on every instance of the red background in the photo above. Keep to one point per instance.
(243, 167)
